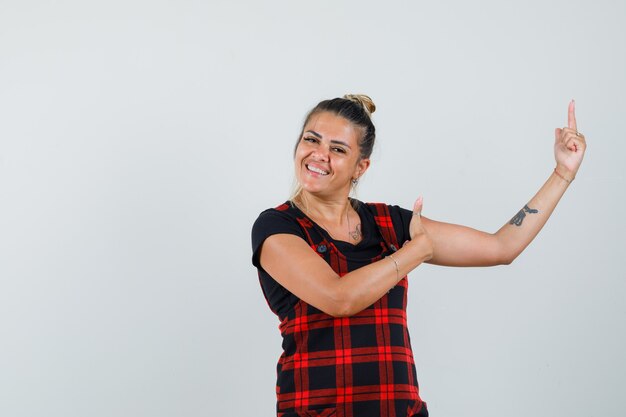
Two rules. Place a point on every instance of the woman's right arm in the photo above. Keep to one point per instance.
(292, 263)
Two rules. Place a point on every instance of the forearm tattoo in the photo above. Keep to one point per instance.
(519, 217)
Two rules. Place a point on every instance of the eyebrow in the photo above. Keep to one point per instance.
(314, 133)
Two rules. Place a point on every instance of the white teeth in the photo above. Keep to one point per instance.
(316, 170)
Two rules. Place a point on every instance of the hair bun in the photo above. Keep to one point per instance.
(365, 101)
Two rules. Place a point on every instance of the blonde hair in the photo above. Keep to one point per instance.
(365, 101)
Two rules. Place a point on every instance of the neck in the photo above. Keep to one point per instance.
(330, 210)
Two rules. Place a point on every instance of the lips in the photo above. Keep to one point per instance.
(316, 169)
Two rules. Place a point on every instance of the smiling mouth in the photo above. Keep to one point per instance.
(316, 170)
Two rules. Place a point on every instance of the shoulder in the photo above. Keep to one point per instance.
(283, 219)
(283, 215)
(399, 216)
(383, 209)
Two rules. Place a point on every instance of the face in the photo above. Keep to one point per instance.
(327, 157)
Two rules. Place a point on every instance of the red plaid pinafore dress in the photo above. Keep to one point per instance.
(358, 366)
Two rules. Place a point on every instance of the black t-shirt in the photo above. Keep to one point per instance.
(272, 221)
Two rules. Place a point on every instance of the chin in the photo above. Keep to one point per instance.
(313, 190)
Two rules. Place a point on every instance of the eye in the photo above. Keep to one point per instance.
(309, 139)
(338, 149)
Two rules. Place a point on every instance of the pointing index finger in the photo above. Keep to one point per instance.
(571, 116)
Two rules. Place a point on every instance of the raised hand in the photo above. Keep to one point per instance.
(417, 231)
(569, 146)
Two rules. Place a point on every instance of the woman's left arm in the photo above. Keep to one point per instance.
(455, 245)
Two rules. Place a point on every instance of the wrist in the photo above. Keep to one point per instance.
(419, 248)
(564, 174)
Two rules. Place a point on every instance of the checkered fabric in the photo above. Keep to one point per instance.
(358, 366)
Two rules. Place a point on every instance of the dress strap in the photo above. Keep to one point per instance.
(313, 237)
(318, 242)
(383, 220)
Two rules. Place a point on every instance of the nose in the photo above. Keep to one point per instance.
(321, 153)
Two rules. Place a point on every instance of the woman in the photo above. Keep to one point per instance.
(334, 269)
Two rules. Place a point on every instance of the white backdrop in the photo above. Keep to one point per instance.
(139, 140)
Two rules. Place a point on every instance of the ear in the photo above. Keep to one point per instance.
(361, 167)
